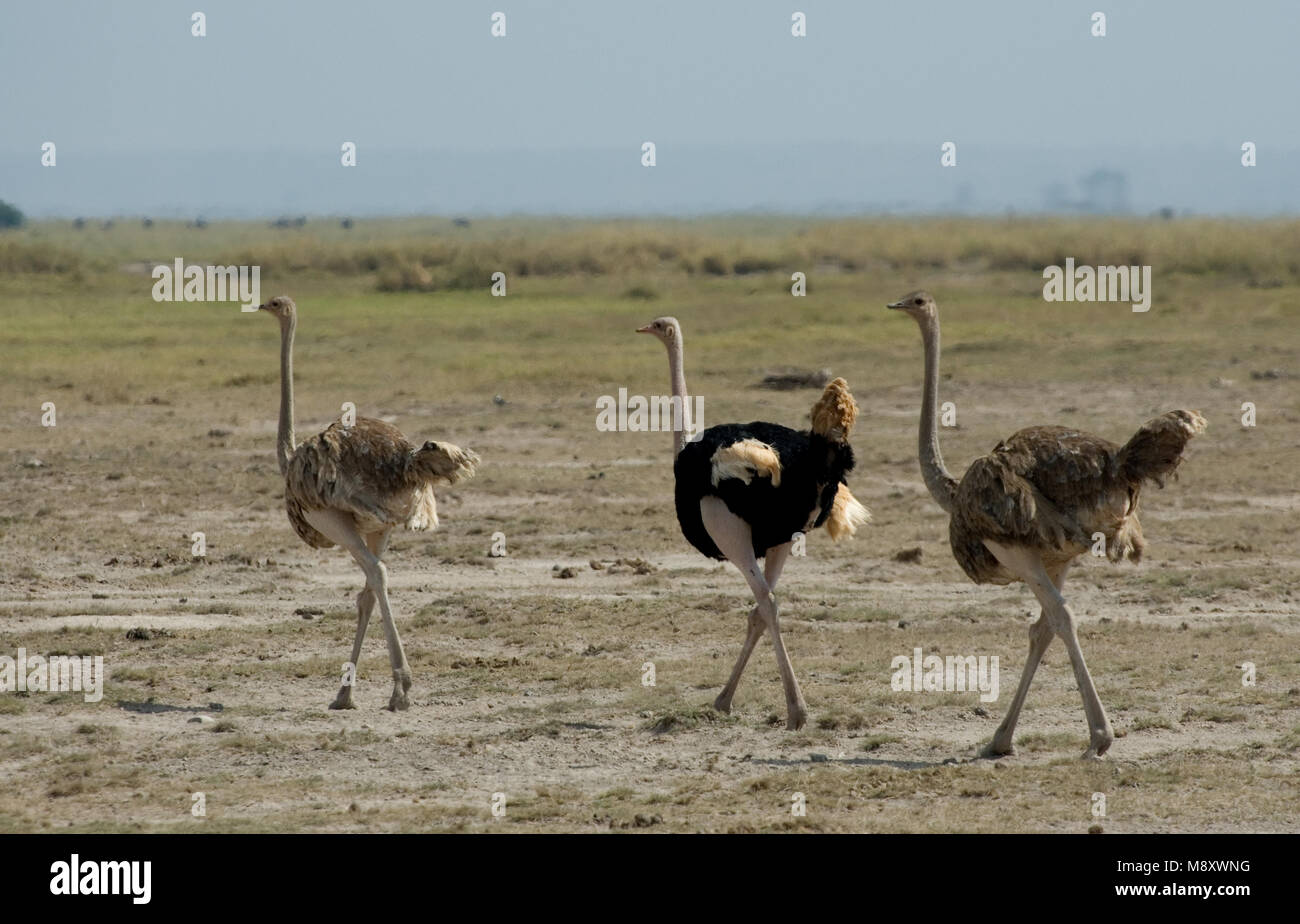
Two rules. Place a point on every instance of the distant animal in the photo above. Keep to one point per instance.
(744, 490)
(1026, 510)
(351, 486)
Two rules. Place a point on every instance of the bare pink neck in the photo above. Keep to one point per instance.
(678, 374)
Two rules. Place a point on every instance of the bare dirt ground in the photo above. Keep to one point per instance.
(530, 684)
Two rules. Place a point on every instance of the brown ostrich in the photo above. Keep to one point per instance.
(744, 490)
(1039, 500)
(351, 487)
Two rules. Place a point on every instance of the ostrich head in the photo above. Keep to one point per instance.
(918, 304)
(668, 330)
(281, 306)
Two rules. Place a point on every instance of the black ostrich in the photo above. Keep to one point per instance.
(744, 490)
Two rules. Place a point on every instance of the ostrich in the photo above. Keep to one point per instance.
(351, 487)
(744, 490)
(1026, 510)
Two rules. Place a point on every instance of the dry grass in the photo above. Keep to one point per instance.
(530, 685)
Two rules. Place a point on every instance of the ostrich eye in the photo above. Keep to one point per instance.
(919, 302)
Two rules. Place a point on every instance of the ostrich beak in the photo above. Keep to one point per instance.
(898, 304)
(648, 329)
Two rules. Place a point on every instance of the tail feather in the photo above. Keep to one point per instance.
(835, 412)
(847, 514)
(443, 463)
(1156, 450)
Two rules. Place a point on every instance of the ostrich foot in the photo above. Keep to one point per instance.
(722, 704)
(401, 684)
(997, 748)
(344, 699)
(796, 716)
(1099, 742)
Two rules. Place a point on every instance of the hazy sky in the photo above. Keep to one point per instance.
(127, 78)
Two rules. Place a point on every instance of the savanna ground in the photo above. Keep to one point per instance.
(529, 683)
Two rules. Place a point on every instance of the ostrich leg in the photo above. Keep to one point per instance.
(1040, 636)
(378, 544)
(773, 562)
(342, 530)
(1028, 566)
(733, 538)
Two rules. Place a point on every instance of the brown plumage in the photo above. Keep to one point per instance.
(1053, 489)
(352, 486)
(1040, 499)
(371, 471)
(835, 412)
(833, 417)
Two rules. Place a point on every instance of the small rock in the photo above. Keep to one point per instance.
(1095, 829)
(902, 624)
(567, 572)
(202, 720)
(818, 758)
(910, 556)
(498, 400)
(787, 381)
(981, 712)
(33, 463)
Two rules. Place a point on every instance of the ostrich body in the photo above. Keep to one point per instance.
(1026, 510)
(351, 487)
(743, 491)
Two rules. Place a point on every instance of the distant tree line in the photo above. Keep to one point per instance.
(10, 216)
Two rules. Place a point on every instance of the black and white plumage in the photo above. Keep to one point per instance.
(743, 491)
(797, 497)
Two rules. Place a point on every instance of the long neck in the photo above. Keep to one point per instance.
(938, 481)
(284, 445)
(678, 373)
